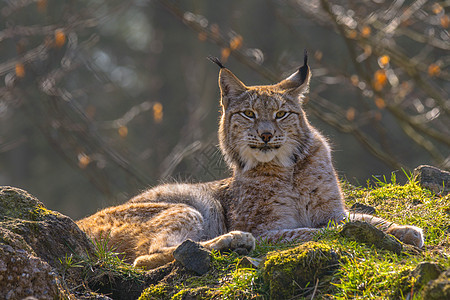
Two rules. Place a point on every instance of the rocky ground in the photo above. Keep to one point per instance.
(44, 255)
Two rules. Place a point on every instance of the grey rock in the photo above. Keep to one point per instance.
(426, 271)
(438, 289)
(434, 179)
(368, 234)
(193, 256)
(33, 239)
(249, 262)
(25, 275)
(49, 234)
(411, 282)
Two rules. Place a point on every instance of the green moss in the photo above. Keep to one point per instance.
(155, 292)
(287, 272)
(18, 204)
(183, 283)
(411, 282)
(20, 212)
(391, 200)
(180, 295)
(438, 289)
(199, 293)
(243, 284)
(163, 291)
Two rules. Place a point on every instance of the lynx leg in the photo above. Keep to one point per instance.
(301, 234)
(155, 260)
(168, 230)
(231, 241)
(406, 233)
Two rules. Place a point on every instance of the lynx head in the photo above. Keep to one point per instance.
(263, 124)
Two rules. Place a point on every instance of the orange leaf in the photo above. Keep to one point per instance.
(225, 54)
(437, 8)
(365, 31)
(352, 34)
(83, 160)
(383, 61)
(20, 70)
(60, 38)
(379, 80)
(379, 102)
(236, 42)
(123, 131)
(445, 21)
(434, 70)
(158, 112)
(354, 79)
(350, 114)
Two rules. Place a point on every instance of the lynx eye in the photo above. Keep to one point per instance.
(249, 114)
(281, 114)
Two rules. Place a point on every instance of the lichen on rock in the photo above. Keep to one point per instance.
(19, 204)
(33, 239)
(50, 234)
(287, 272)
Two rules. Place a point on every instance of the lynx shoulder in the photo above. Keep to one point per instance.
(284, 185)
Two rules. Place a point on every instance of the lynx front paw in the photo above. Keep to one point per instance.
(231, 241)
(152, 261)
(408, 234)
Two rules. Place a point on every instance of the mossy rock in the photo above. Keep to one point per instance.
(163, 291)
(438, 289)
(26, 224)
(416, 279)
(288, 272)
(198, 293)
(19, 204)
(158, 291)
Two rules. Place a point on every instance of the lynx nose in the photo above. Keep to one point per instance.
(266, 136)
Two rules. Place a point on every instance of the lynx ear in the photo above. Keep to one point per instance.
(297, 84)
(230, 85)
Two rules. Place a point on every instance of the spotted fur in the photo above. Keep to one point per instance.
(284, 186)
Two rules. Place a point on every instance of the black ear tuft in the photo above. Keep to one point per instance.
(304, 69)
(305, 57)
(216, 61)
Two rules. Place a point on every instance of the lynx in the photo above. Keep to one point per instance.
(283, 187)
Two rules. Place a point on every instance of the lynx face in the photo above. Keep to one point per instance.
(263, 124)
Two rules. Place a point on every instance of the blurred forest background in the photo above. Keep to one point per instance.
(101, 99)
